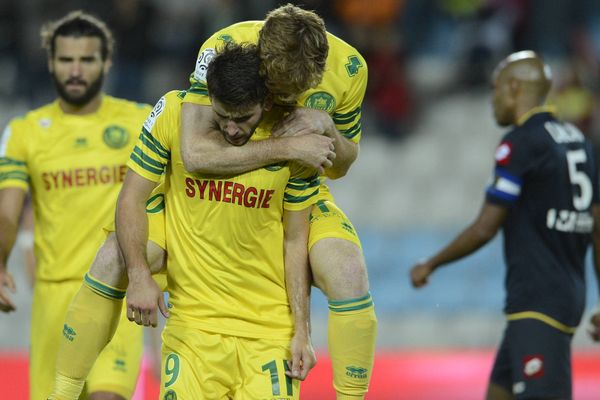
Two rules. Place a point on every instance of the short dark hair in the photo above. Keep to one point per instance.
(233, 76)
(77, 24)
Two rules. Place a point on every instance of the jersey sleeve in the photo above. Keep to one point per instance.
(152, 150)
(514, 159)
(198, 91)
(301, 190)
(13, 156)
(347, 115)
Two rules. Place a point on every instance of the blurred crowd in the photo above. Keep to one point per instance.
(417, 50)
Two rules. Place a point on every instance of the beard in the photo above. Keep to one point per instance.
(92, 89)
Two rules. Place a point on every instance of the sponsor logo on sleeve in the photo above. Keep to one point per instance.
(503, 153)
(202, 64)
(156, 111)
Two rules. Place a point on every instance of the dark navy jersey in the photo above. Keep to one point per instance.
(546, 174)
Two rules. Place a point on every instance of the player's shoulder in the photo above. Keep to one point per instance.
(343, 54)
(245, 31)
(120, 105)
(41, 116)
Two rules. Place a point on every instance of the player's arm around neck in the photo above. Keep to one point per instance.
(298, 282)
(143, 294)
(481, 231)
(205, 151)
(11, 206)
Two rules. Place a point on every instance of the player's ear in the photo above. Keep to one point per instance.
(107, 65)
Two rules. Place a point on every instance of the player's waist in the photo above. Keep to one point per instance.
(270, 328)
(548, 320)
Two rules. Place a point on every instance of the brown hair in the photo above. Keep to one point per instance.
(293, 49)
(77, 24)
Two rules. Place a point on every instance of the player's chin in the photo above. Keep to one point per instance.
(242, 140)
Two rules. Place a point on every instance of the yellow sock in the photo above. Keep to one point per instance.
(90, 324)
(352, 334)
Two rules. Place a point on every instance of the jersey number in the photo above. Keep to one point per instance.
(582, 200)
(274, 373)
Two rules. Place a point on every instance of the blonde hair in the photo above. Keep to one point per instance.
(77, 24)
(293, 49)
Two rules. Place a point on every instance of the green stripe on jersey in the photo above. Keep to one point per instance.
(11, 161)
(147, 159)
(19, 175)
(153, 144)
(298, 199)
(346, 118)
(300, 184)
(351, 132)
(145, 166)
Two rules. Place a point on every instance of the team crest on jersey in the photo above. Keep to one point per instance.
(533, 366)
(321, 101)
(170, 395)
(158, 108)
(202, 64)
(503, 153)
(115, 136)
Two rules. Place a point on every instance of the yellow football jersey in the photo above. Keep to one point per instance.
(74, 166)
(224, 234)
(340, 93)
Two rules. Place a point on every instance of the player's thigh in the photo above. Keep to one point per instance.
(197, 365)
(335, 252)
(540, 360)
(50, 304)
(263, 363)
(118, 365)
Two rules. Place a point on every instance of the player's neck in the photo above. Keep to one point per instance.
(88, 108)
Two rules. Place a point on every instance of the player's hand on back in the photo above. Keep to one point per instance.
(7, 284)
(594, 329)
(143, 297)
(419, 273)
(304, 121)
(303, 357)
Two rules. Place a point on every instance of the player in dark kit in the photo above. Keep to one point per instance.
(546, 199)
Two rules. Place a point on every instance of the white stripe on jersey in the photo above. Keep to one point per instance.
(508, 187)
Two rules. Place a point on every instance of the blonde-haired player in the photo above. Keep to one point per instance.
(325, 79)
(70, 154)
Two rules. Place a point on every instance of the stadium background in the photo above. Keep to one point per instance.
(426, 155)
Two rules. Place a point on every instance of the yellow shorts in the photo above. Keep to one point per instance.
(328, 221)
(117, 368)
(202, 365)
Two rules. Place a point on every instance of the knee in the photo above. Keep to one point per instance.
(108, 264)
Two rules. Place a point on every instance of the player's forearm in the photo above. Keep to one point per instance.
(297, 272)
(466, 243)
(132, 226)
(8, 235)
(11, 206)
(346, 152)
(217, 157)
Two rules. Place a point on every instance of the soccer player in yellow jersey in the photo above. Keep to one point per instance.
(325, 78)
(304, 66)
(237, 247)
(70, 155)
